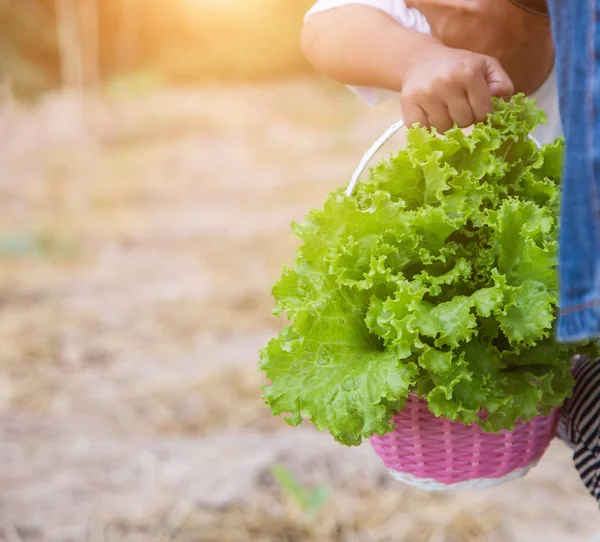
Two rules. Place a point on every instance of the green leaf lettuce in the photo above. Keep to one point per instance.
(437, 277)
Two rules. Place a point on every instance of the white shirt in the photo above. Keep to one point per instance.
(546, 96)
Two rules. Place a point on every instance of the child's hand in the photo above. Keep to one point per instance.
(443, 86)
(521, 41)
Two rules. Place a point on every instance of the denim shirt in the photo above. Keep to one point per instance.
(576, 29)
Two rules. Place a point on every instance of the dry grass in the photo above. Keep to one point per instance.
(223, 400)
(367, 514)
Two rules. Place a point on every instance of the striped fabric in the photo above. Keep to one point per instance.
(580, 423)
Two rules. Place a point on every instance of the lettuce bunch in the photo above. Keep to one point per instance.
(436, 277)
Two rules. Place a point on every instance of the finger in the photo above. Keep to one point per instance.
(498, 81)
(414, 114)
(480, 99)
(460, 109)
(438, 114)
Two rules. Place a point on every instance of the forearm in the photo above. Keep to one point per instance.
(362, 46)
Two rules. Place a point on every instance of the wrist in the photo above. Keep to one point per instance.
(428, 47)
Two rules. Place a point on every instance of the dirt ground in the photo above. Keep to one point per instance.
(135, 269)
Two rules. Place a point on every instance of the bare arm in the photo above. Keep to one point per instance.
(361, 45)
(440, 86)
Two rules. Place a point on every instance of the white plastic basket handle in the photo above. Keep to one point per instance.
(371, 152)
(381, 141)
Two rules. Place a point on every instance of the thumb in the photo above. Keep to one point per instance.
(499, 83)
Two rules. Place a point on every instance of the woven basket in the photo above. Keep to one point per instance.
(439, 455)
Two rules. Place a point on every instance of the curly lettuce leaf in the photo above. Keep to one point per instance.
(328, 367)
(437, 277)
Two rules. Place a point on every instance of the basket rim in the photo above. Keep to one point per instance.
(423, 400)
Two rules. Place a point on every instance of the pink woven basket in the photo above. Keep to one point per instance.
(436, 453)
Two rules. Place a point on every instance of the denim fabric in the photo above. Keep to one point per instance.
(576, 28)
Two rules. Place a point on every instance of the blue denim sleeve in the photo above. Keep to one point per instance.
(576, 29)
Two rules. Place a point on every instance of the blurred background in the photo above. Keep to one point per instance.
(153, 155)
